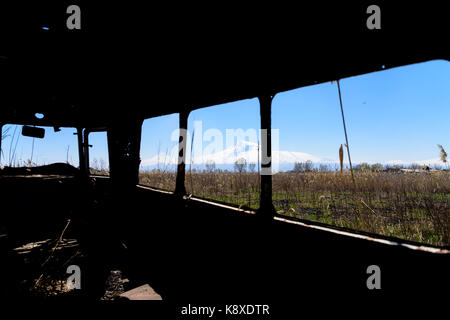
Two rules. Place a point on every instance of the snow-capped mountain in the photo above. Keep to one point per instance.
(251, 152)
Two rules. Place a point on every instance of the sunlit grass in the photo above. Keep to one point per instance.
(412, 206)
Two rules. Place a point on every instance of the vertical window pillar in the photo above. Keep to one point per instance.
(180, 188)
(86, 149)
(124, 140)
(266, 208)
(81, 151)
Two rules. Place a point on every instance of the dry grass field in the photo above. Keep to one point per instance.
(413, 205)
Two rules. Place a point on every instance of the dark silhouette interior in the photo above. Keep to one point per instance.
(186, 249)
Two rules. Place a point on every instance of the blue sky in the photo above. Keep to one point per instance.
(395, 114)
(399, 113)
(55, 147)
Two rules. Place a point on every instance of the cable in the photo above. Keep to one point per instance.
(345, 131)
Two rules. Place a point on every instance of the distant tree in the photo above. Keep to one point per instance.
(308, 166)
(298, 167)
(394, 167)
(362, 167)
(303, 166)
(376, 167)
(415, 166)
(103, 166)
(240, 165)
(251, 167)
(95, 164)
(324, 168)
(210, 166)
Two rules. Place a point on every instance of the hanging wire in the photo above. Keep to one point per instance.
(348, 147)
(345, 131)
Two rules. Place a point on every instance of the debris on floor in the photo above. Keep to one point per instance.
(144, 292)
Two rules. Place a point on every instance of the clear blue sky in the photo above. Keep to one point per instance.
(396, 114)
(399, 113)
(55, 147)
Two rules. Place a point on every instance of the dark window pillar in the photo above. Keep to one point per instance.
(124, 142)
(266, 208)
(86, 149)
(81, 152)
(180, 188)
